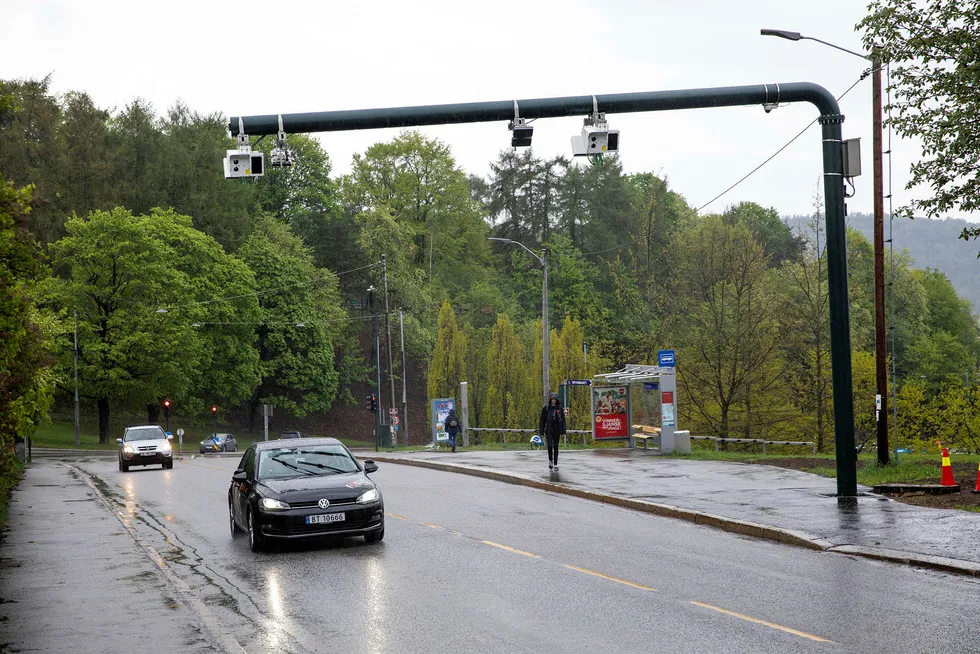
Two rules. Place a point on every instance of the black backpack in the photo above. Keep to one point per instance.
(453, 423)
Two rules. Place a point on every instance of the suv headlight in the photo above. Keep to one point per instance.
(269, 504)
(166, 448)
(129, 449)
(368, 497)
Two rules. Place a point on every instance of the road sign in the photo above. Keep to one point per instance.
(665, 358)
(579, 382)
(180, 432)
(651, 386)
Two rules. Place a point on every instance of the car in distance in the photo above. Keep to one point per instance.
(226, 443)
(289, 434)
(313, 487)
(145, 445)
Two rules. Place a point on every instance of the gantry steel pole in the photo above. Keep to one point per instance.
(729, 96)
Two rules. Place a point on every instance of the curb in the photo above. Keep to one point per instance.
(732, 525)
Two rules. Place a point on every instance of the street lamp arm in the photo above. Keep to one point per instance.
(856, 54)
(507, 240)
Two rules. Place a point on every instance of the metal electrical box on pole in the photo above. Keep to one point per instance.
(830, 121)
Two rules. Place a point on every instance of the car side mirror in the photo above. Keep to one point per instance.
(370, 466)
(119, 441)
(170, 436)
(239, 476)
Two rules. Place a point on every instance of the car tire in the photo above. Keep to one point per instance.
(255, 541)
(375, 536)
(123, 467)
(235, 531)
(168, 465)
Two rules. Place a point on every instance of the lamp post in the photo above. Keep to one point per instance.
(545, 331)
(881, 369)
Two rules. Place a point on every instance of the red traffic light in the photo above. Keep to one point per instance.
(166, 404)
(214, 409)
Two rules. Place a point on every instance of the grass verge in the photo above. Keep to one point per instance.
(8, 482)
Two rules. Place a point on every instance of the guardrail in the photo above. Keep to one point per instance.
(505, 430)
(718, 439)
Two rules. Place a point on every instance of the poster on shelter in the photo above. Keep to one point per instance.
(440, 411)
(610, 412)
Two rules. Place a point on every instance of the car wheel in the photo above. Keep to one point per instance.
(235, 531)
(375, 536)
(255, 540)
(123, 467)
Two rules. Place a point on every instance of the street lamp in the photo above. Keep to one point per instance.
(881, 369)
(545, 332)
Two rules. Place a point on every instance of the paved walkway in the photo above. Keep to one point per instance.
(73, 580)
(788, 500)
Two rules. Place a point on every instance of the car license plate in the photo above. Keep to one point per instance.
(325, 518)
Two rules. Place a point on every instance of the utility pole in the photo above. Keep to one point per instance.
(78, 430)
(404, 416)
(546, 332)
(881, 367)
(391, 371)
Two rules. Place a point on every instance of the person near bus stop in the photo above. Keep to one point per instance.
(553, 428)
(452, 428)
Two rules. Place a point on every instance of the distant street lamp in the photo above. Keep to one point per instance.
(545, 332)
(881, 366)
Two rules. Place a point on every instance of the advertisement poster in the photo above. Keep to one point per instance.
(610, 412)
(440, 410)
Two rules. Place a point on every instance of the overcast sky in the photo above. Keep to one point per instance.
(251, 57)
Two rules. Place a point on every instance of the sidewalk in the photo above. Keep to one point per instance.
(758, 500)
(72, 579)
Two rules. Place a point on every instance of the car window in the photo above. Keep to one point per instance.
(248, 463)
(151, 432)
(305, 460)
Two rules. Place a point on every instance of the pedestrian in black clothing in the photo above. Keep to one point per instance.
(553, 428)
(453, 428)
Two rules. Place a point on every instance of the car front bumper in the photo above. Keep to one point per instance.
(146, 458)
(359, 520)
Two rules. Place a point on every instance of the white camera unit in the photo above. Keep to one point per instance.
(596, 138)
(244, 163)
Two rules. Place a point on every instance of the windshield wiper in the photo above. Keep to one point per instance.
(290, 465)
(325, 467)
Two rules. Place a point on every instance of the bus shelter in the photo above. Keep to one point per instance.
(650, 391)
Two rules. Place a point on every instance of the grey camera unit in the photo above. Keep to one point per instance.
(240, 163)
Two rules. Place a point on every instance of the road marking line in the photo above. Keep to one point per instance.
(801, 634)
(616, 579)
(426, 524)
(198, 465)
(510, 549)
(395, 515)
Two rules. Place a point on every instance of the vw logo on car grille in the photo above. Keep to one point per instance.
(323, 503)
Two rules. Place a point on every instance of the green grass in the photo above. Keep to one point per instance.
(749, 457)
(7, 483)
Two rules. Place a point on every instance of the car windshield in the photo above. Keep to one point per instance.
(144, 434)
(307, 460)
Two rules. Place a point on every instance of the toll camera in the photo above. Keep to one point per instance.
(244, 163)
(596, 138)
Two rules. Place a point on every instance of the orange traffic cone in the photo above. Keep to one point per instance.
(947, 478)
(977, 489)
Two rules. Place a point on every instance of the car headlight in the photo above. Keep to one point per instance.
(269, 504)
(368, 497)
(166, 448)
(129, 449)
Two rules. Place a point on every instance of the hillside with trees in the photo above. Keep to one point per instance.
(248, 292)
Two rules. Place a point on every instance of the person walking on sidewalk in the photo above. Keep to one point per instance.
(452, 428)
(553, 428)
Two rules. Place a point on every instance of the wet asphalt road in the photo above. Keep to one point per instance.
(475, 565)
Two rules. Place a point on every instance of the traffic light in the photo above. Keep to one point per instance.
(214, 409)
(372, 402)
(166, 406)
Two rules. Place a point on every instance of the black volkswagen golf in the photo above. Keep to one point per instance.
(311, 487)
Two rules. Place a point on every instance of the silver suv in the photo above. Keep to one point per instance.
(144, 445)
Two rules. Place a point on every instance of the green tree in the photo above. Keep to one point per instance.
(448, 367)
(778, 241)
(507, 397)
(118, 274)
(932, 47)
(26, 380)
(301, 318)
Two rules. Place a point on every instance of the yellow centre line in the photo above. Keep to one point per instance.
(510, 549)
(616, 579)
(801, 634)
(426, 524)
(395, 515)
